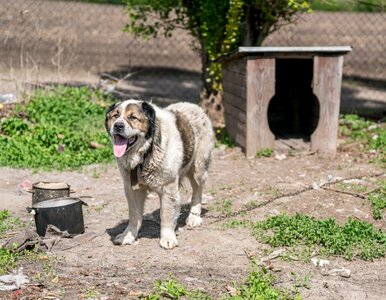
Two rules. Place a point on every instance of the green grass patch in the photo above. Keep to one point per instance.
(304, 235)
(354, 239)
(8, 222)
(56, 129)
(372, 135)
(266, 152)
(378, 202)
(260, 284)
(172, 289)
(349, 5)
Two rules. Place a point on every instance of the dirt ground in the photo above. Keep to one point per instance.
(209, 257)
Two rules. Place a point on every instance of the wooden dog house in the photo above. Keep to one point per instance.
(271, 92)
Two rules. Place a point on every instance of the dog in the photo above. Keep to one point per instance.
(155, 149)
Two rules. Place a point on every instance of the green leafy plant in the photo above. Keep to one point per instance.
(8, 222)
(218, 26)
(223, 138)
(172, 289)
(378, 202)
(260, 285)
(371, 135)
(8, 260)
(266, 152)
(353, 239)
(60, 129)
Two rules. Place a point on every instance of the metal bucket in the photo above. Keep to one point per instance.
(64, 213)
(42, 191)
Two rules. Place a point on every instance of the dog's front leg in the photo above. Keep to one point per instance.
(136, 201)
(170, 210)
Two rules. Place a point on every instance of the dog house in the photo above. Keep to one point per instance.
(282, 92)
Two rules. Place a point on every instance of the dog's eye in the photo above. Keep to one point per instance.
(115, 115)
(132, 117)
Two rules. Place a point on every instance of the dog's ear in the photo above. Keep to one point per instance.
(150, 115)
(107, 112)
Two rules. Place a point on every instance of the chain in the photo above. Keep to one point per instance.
(220, 218)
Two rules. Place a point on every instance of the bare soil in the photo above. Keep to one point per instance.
(209, 257)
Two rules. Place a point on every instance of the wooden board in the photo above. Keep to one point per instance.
(239, 102)
(326, 86)
(260, 90)
(234, 89)
(237, 66)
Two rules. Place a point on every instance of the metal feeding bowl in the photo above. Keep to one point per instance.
(64, 213)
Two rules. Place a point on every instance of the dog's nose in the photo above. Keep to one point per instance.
(119, 126)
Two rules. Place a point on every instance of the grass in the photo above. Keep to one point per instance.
(378, 202)
(8, 222)
(266, 152)
(222, 206)
(349, 5)
(172, 289)
(371, 135)
(260, 284)
(56, 129)
(355, 239)
(8, 258)
(377, 197)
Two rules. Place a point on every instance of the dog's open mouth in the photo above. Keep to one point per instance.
(121, 144)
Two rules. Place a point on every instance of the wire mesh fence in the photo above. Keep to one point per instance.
(44, 42)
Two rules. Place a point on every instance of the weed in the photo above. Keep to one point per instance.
(353, 187)
(99, 208)
(172, 289)
(8, 222)
(371, 134)
(8, 260)
(251, 205)
(57, 131)
(301, 281)
(353, 239)
(223, 138)
(260, 285)
(378, 202)
(266, 152)
(91, 293)
(273, 191)
(223, 207)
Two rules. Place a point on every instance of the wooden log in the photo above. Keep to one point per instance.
(326, 86)
(260, 90)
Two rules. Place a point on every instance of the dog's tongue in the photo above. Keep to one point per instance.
(120, 146)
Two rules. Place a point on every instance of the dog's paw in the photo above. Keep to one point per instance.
(168, 239)
(193, 220)
(124, 239)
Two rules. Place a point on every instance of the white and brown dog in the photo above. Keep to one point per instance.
(155, 149)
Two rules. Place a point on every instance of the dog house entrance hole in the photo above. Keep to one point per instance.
(293, 112)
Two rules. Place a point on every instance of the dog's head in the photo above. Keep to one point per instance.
(131, 125)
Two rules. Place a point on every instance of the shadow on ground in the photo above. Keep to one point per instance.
(151, 224)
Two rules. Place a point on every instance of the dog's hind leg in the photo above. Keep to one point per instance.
(169, 212)
(136, 201)
(194, 218)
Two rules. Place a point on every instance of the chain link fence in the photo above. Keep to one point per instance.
(47, 42)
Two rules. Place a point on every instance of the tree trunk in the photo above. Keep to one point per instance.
(210, 100)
